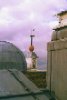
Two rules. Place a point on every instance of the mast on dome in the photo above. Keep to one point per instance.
(31, 48)
(33, 54)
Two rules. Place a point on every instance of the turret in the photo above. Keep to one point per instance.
(33, 54)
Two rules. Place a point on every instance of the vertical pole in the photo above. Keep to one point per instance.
(31, 39)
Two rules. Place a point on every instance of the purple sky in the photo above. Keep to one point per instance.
(19, 17)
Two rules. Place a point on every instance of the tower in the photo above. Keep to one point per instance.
(33, 54)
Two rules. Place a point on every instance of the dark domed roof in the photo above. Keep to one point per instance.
(11, 57)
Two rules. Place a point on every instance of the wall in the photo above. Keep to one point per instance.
(57, 68)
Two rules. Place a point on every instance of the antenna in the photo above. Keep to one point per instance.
(32, 37)
(31, 48)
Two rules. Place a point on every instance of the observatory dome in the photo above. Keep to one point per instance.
(11, 57)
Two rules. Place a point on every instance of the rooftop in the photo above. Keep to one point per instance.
(11, 57)
(14, 85)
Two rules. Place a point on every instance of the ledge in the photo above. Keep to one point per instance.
(57, 45)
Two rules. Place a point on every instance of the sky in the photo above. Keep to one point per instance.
(19, 17)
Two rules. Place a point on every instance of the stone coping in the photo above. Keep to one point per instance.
(57, 45)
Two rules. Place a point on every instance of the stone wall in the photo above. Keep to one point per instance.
(57, 68)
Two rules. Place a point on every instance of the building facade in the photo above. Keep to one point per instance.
(57, 59)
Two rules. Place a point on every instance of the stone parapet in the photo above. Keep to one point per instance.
(57, 68)
(57, 45)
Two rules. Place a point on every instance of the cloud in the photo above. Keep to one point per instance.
(19, 17)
